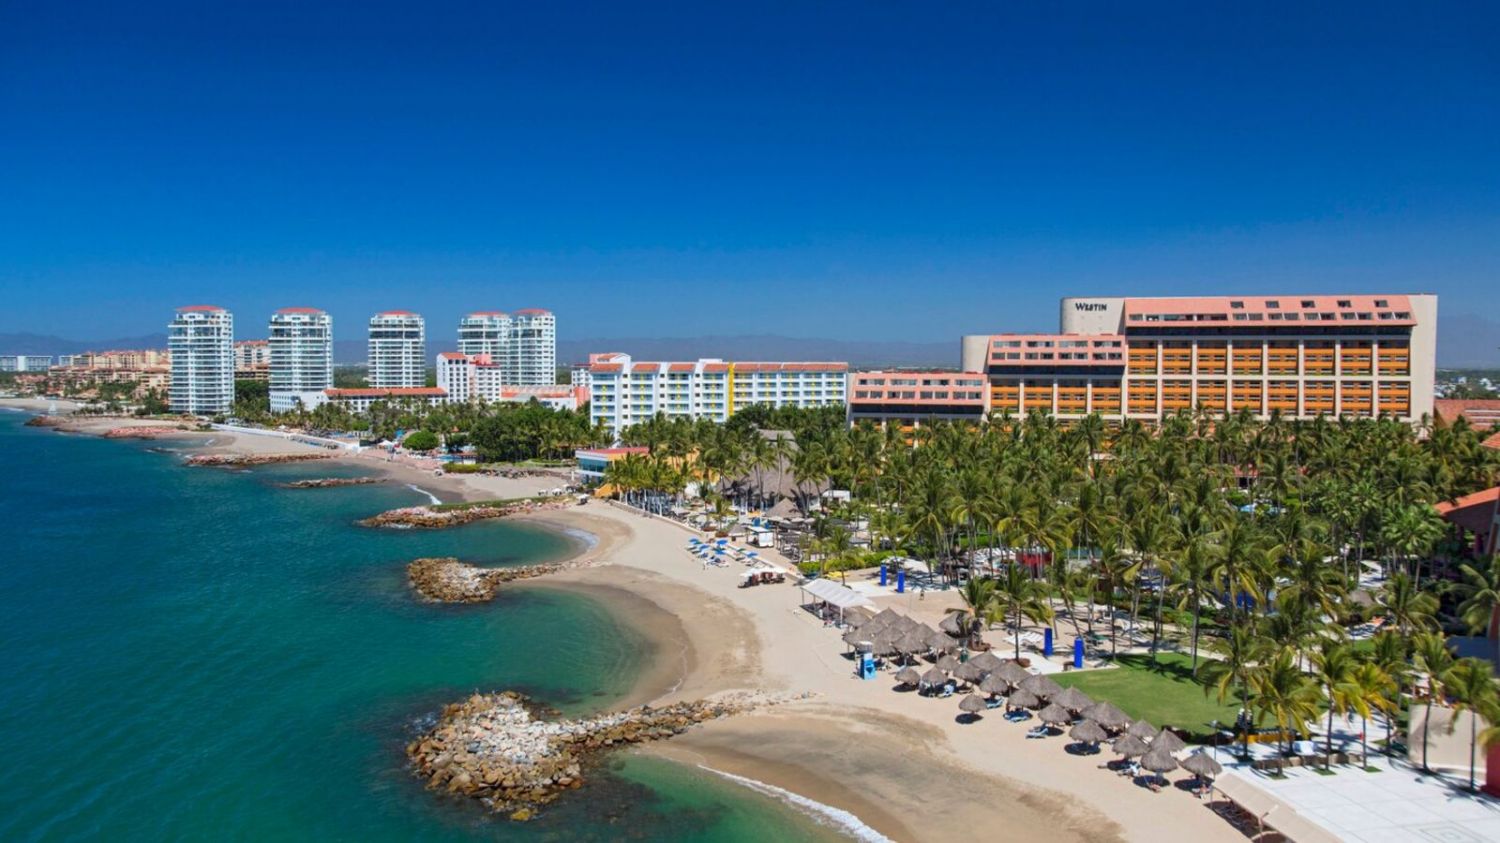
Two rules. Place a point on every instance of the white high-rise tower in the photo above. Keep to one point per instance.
(300, 340)
(485, 332)
(201, 340)
(531, 359)
(398, 350)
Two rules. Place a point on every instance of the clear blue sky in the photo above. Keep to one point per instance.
(855, 169)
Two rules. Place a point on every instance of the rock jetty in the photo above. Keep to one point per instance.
(46, 421)
(152, 432)
(495, 747)
(240, 460)
(330, 482)
(453, 515)
(447, 580)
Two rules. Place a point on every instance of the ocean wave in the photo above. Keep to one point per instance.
(430, 496)
(588, 539)
(840, 819)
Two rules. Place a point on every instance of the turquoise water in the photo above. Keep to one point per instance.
(196, 653)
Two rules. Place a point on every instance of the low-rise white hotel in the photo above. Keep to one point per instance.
(479, 377)
(201, 341)
(25, 362)
(301, 356)
(623, 392)
(398, 350)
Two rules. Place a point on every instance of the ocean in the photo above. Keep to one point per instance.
(191, 654)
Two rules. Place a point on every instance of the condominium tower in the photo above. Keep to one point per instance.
(301, 356)
(484, 332)
(1145, 358)
(200, 339)
(531, 359)
(398, 350)
(623, 392)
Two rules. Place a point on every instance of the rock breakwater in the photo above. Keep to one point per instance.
(453, 515)
(447, 580)
(497, 749)
(241, 460)
(154, 432)
(330, 482)
(46, 421)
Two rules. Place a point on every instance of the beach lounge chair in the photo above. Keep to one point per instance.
(1036, 732)
(947, 690)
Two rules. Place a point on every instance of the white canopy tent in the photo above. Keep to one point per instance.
(838, 596)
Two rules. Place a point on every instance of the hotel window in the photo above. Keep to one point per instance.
(1386, 314)
(1364, 317)
(1293, 317)
(1345, 303)
(1382, 303)
(1273, 304)
(1306, 303)
(1237, 305)
(1240, 317)
(1255, 317)
(1402, 315)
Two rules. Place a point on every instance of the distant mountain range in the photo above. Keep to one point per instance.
(1464, 341)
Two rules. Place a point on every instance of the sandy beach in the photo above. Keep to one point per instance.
(901, 763)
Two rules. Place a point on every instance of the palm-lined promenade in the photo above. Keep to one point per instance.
(1343, 576)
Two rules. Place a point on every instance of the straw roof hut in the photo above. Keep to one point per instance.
(1055, 713)
(857, 616)
(884, 645)
(783, 509)
(908, 676)
(968, 672)
(987, 661)
(933, 676)
(854, 636)
(1202, 765)
(1023, 699)
(993, 684)
(1041, 685)
(972, 704)
(948, 663)
(952, 625)
(1073, 699)
(1168, 738)
(1087, 731)
(1159, 760)
(1106, 714)
(1142, 729)
(912, 642)
(1131, 746)
(941, 643)
(1012, 673)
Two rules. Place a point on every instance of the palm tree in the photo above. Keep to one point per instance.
(1471, 683)
(1431, 655)
(1280, 690)
(1236, 656)
(1481, 592)
(1390, 652)
(978, 594)
(1376, 691)
(1334, 665)
(1411, 608)
(1022, 597)
(1193, 570)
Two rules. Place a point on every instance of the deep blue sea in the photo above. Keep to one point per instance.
(194, 654)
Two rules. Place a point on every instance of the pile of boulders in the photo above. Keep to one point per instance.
(144, 432)
(495, 747)
(447, 580)
(46, 421)
(330, 482)
(432, 517)
(240, 460)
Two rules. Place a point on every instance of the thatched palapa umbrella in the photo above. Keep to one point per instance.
(951, 624)
(941, 643)
(912, 643)
(933, 677)
(1131, 746)
(1106, 714)
(1202, 766)
(1055, 713)
(993, 684)
(1022, 699)
(854, 636)
(1168, 739)
(1142, 729)
(948, 663)
(987, 661)
(1043, 686)
(968, 672)
(972, 704)
(908, 676)
(1158, 760)
(1073, 699)
(884, 645)
(1012, 673)
(1087, 731)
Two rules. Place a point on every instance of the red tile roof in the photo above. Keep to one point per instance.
(200, 308)
(680, 367)
(395, 391)
(1477, 410)
(533, 311)
(644, 367)
(1475, 513)
(395, 313)
(489, 313)
(313, 310)
(1493, 442)
(453, 355)
(605, 368)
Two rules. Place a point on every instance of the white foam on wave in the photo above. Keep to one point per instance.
(838, 818)
(430, 496)
(589, 539)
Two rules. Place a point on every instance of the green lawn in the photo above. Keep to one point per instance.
(1164, 693)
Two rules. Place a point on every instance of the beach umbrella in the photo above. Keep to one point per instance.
(1012, 673)
(1201, 765)
(1131, 746)
(1087, 731)
(885, 617)
(987, 661)
(913, 642)
(972, 704)
(1142, 729)
(1168, 739)
(968, 672)
(1106, 714)
(1159, 760)
(993, 684)
(948, 664)
(934, 677)
(854, 636)
(941, 643)
(1043, 686)
(908, 676)
(1073, 699)
(1055, 713)
(883, 645)
(951, 624)
(1023, 699)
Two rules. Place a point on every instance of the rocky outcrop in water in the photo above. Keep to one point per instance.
(330, 482)
(447, 580)
(145, 432)
(495, 747)
(241, 460)
(46, 421)
(453, 515)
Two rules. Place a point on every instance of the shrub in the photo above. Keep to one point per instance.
(420, 440)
